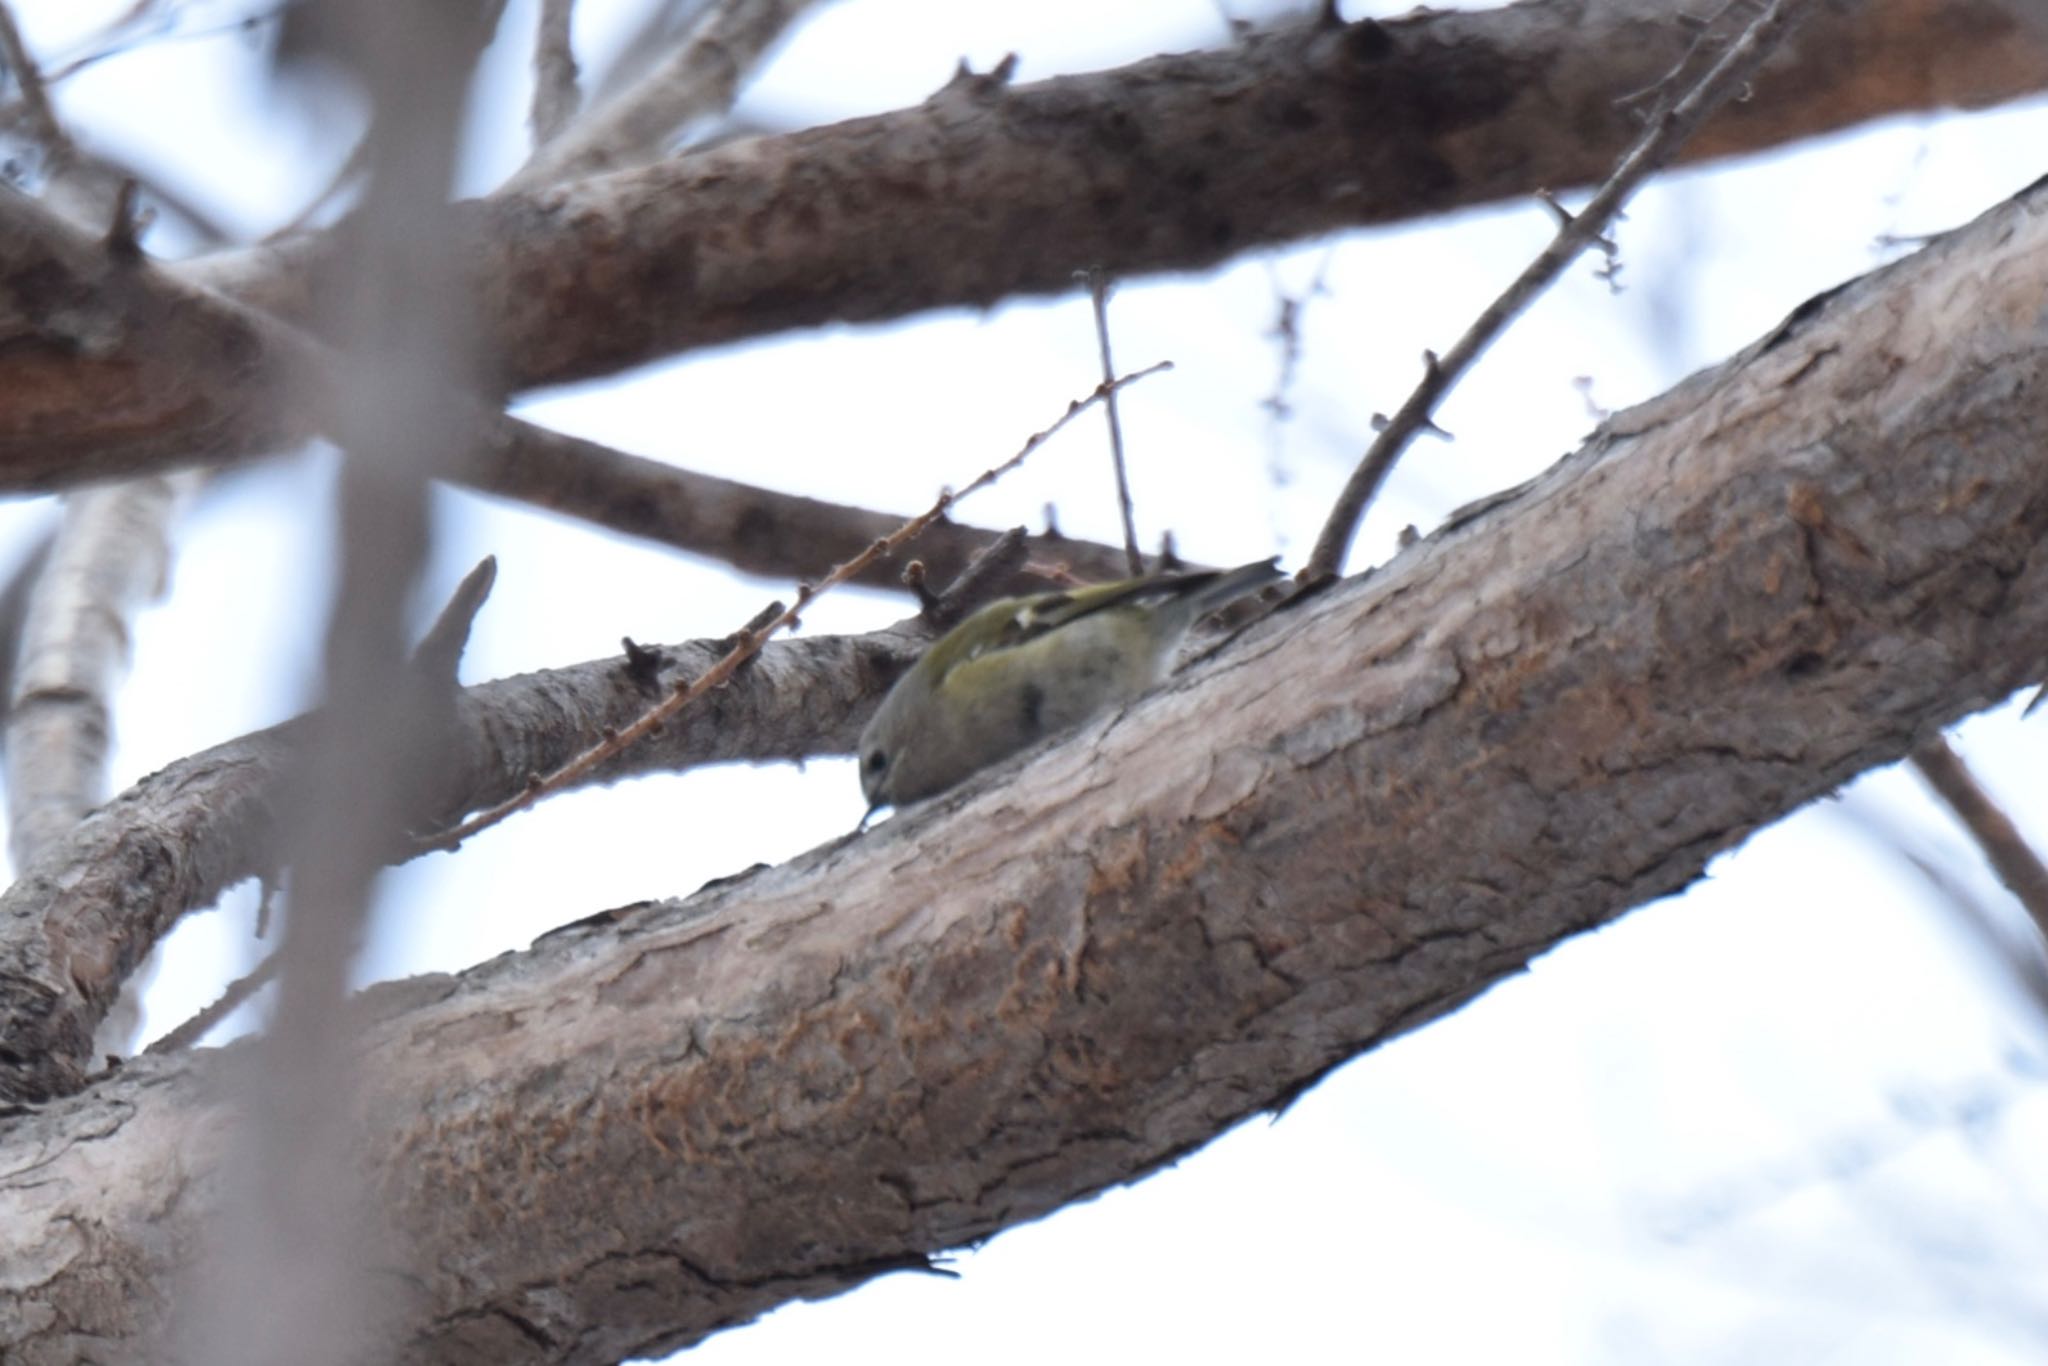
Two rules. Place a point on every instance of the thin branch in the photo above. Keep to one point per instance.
(555, 95)
(758, 531)
(2014, 860)
(1098, 294)
(2021, 957)
(345, 177)
(701, 78)
(200, 221)
(108, 559)
(749, 641)
(1667, 133)
(1287, 326)
(983, 579)
(231, 999)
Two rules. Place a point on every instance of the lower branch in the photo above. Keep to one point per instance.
(72, 928)
(672, 1117)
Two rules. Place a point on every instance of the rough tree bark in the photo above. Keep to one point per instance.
(670, 1117)
(117, 883)
(988, 191)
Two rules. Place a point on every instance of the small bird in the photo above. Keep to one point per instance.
(1024, 668)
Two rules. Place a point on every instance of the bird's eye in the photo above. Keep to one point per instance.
(876, 761)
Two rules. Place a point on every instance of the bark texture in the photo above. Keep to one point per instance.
(671, 1117)
(138, 307)
(987, 191)
(77, 923)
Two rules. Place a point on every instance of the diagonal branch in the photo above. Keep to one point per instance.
(194, 352)
(2010, 856)
(672, 1117)
(1674, 124)
(109, 556)
(755, 530)
(119, 881)
(700, 79)
(986, 192)
(555, 94)
(108, 559)
(1177, 163)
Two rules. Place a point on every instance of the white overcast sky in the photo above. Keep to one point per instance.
(1796, 1114)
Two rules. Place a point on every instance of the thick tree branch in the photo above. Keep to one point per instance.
(182, 836)
(109, 556)
(64, 281)
(672, 1117)
(986, 192)
(981, 193)
(165, 371)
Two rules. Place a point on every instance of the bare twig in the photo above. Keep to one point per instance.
(227, 1003)
(749, 641)
(555, 95)
(145, 21)
(35, 96)
(1287, 331)
(2010, 856)
(1098, 294)
(1667, 132)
